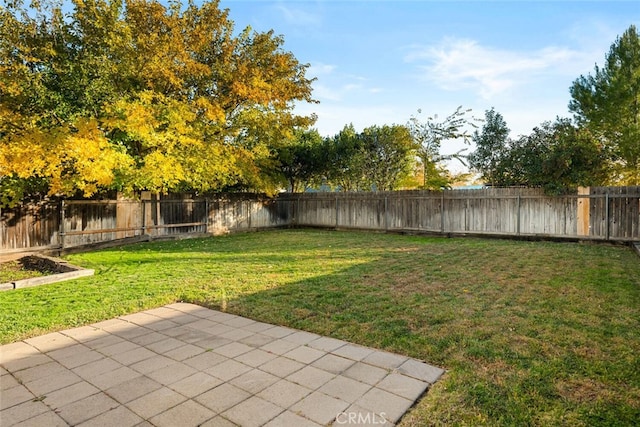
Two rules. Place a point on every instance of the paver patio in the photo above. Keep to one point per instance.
(185, 365)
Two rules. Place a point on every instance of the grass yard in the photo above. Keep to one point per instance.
(531, 333)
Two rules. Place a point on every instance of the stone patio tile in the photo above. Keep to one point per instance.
(133, 389)
(302, 337)
(156, 402)
(50, 342)
(111, 323)
(239, 322)
(383, 359)
(383, 402)
(403, 386)
(85, 333)
(218, 329)
(148, 338)
(281, 367)
(188, 335)
(87, 408)
(142, 318)
(184, 352)
(289, 419)
(120, 416)
(99, 367)
(218, 422)
(345, 388)
(164, 345)
(19, 413)
(228, 370)
(181, 319)
(310, 377)
(104, 341)
(205, 360)
(365, 373)
(255, 357)
(70, 394)
(192, 309)
(40, 371)
(357, 416)
(195, 384)
(188, 413)
(257, 340)
(205, 324)
(280, 346)
(52, 382)
(212, 343)
(236, 334)
(48, 419)
(80, 358)
(222, 398)
(352, 351)
(278, 332)
(115, 377)
(131, 332)
(118, 348)
(220, 317)
(326, 344)
(284, 393)
(304, 354)
(254, 381)
(14, 396)
(253, 412)
(152, 364)
(333, 364)
(171, 373)
(319, 407)
(421, 371)
(16, 350)
(257, 327)
(161, 325)
(7, 381)
(17, 356)
(233, 349)
(133, 356)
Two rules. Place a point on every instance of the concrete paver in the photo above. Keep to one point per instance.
(186, 365)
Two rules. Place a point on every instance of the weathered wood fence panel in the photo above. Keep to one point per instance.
(31, 226)
(601, 213)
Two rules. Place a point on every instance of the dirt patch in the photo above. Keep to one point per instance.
(37, 270)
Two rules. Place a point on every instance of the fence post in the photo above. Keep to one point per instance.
(206, 213)
(442, 212)
(606, 210)
(336, 211)
(518, 218)
(62, 224)
(386, 213)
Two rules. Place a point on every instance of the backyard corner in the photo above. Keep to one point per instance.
(531, 333)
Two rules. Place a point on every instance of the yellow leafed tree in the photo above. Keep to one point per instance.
(136, 95)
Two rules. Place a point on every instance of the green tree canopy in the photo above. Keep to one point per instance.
(137, 95)
(608, 104)
(491, 145)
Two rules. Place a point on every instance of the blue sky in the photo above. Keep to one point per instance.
(379, 62)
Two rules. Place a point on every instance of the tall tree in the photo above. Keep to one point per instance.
(491, 145)
(300, 159)
(557, 156)
(430, 133)
(389, 156)
(137, 95)
(608, 103)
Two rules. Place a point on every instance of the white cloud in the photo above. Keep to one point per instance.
(456, 64)
(299, 17)
(319, 68)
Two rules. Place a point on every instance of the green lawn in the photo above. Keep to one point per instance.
(530, 333)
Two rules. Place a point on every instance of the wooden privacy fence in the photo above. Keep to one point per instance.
(602, 213)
